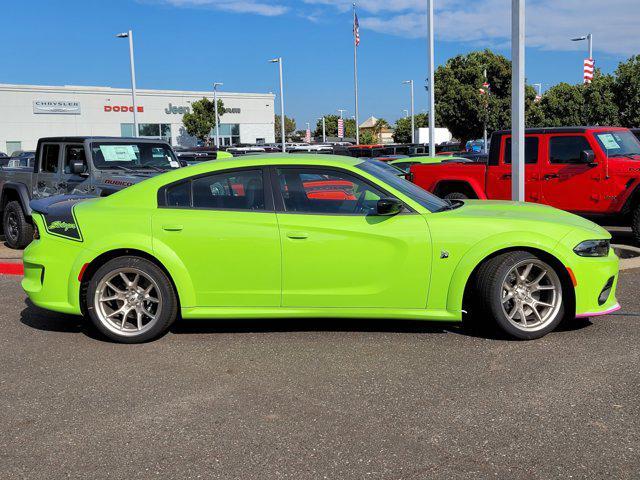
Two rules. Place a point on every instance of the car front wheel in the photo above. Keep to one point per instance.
(522, 293)
(131, 300)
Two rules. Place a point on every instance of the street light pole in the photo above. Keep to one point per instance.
(129, 35)
(517, 100)
(413, 121)
(431, 67)
(215, 111)
(282, 129)
(324, 131)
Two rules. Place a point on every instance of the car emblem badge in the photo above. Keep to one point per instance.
(444, 254)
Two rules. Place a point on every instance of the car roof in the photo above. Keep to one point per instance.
(576, 129)
(80, 139)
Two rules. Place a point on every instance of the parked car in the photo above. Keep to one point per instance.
(238, 238)
(188, 157)
(591, 171)
(405, 164)
(90, 166)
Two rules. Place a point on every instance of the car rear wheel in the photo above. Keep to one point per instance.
(18, 231)
(131, 300)
(522, 293)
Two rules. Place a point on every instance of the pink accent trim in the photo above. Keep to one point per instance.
(615, 308)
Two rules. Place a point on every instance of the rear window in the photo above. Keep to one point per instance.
(530, 150)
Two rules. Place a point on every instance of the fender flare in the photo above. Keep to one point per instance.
(23, 195)
(488, 247)
(471, 182)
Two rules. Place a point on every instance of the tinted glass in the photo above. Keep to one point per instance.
(329, 192)
(411, 190)
(179, 195)
(618, 143)
(530, 150)
(238, 190)
(567, 149)
(50, 155)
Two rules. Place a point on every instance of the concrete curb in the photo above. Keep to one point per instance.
(628, 263)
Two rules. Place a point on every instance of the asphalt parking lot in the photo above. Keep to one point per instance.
(319, 398)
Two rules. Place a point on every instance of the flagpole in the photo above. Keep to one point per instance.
(355, 74)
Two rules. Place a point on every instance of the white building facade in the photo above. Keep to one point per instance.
(29, 112)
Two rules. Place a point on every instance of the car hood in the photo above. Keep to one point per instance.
(523, 211)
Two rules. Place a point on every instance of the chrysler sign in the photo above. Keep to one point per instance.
(64, 107)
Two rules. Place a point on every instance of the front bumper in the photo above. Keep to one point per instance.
(597, 279)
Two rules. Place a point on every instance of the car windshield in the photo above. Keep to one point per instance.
(411, 190)
(618, 143)
(134, 156)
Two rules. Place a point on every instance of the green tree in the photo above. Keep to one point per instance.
(289, 128)
(463, 109)
(367, 137)
(627, 91)
(402, 128)
(600, 106)
(201, 120)
(563, 105)
(331, 127)
(380, 125)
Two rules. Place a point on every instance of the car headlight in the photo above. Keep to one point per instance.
(593, 248)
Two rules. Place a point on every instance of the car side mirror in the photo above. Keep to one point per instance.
(389, 206)
(183, 163)
(588, 157)
(77, 167)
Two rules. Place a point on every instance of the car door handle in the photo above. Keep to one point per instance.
(549, 176)
(297, 235)
(172, 228)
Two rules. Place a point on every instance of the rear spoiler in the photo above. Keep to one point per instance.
(58, 214)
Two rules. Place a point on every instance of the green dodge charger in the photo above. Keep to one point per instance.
(290, 236)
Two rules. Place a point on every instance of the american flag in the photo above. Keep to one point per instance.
(589, 64)
(356, 29)
(340, 128)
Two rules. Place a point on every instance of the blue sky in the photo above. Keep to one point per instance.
(187, 44)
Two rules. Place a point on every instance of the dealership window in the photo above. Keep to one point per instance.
(229, 133)
(149, 130)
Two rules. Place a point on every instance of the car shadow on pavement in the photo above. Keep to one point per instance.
(40, 319)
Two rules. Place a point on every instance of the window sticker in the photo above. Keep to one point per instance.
(119, 153)
(609, 141)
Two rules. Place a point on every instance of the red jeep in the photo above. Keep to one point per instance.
(591, 171)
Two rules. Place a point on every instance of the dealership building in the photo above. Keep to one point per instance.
(28, 112)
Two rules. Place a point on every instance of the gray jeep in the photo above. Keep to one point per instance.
(96, 166)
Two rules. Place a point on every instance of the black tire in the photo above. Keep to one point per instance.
(635, 223)
(489, 291)
(18, 231)
(456, 196)
(168, 305)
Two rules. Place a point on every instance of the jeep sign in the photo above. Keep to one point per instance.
(172, 109)
(63, 107)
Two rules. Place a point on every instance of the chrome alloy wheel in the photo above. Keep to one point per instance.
(531, 295)
(128, 301)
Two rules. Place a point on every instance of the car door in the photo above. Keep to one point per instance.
(336, 252)
(499, 177)
(222, 227)
(569, 183)
(47, 181)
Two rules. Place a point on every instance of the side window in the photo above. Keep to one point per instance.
(328, 192)
(567, 149)
(179, 195)
(530, 150)
(50, 157)
(73, 152)
(236, 190)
